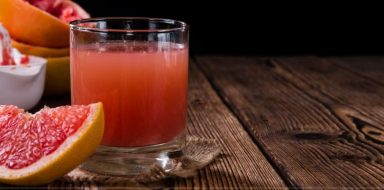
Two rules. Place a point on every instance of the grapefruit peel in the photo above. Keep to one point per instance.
(29, 24)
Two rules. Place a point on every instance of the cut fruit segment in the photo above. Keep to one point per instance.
(38, 148)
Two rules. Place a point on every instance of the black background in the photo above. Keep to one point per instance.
(274, 28)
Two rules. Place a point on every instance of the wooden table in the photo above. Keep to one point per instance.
(289, 122)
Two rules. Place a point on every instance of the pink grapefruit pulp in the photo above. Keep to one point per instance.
(38, 148)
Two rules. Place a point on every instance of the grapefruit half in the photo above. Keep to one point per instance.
(28, 24)
(37, 148)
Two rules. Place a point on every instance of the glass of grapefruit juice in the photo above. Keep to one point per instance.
(138, 69)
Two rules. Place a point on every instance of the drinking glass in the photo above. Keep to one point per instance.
(138, 69)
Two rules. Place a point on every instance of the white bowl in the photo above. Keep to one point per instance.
(23, 85)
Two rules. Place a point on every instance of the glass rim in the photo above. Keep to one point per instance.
(179, 25)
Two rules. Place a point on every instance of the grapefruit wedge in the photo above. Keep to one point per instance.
(37, 148)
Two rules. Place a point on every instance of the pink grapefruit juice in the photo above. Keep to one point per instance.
(143, 88)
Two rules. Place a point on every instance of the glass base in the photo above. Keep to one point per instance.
(136, 160)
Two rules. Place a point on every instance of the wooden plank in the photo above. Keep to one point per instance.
(357, 100)
(241, 164)
(308, 136)
(371, 68)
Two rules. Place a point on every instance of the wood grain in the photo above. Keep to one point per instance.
(356, 100)
(368, 67)
(241, 164)
(307, 116)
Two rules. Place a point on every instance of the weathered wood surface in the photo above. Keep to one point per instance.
(241, 163)
(302, 122)
(370, 67)
(320, 124)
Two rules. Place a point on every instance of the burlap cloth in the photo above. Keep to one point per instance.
(198, 153)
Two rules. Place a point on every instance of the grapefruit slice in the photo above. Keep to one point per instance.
(38, 148)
